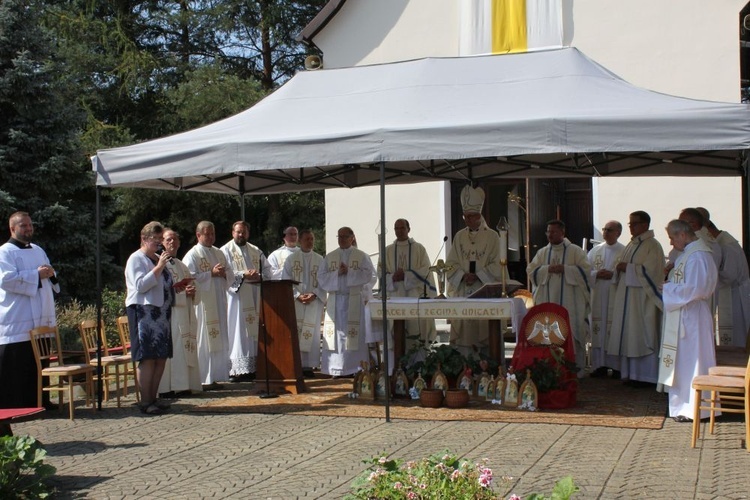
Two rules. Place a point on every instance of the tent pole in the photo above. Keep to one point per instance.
(745, 236)
(383, 294)
(98, 298)
(242, 197)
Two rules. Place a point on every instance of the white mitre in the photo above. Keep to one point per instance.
(472, 199)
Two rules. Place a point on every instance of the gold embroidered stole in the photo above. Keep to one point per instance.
(208, 300)
(308, 315)
(245, 292)
(673, 320)
(181, 316)
(355, 306)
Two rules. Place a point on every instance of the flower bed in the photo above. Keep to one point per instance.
(439, 476)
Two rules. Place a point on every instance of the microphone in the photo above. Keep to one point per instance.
(424, 285)
(161, 251)
(445, 239)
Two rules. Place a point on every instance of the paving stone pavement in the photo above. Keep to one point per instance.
(120, 453)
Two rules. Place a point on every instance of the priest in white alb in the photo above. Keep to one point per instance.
(687, 347)
(407, 268)
(473, 261)
(248, 266)
(309, 298)
(559, 273)
(733, 290)
(603, 258)
(636, 304)
(181, 372)
(278, 257)
(345, 273)
(209, 268)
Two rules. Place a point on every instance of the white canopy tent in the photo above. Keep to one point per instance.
(549, 113)
(543, 114)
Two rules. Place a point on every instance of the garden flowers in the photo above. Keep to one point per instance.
(439, 476)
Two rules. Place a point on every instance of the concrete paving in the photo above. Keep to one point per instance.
(120, 453)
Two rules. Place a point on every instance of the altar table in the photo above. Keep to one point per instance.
(495, 311)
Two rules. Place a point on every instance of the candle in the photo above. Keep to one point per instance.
(503, 245)
(502, 229)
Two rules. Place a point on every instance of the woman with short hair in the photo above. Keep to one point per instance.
(150, 296)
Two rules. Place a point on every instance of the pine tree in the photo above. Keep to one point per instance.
(42, 168)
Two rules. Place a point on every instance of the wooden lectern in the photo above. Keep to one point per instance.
(278, 342)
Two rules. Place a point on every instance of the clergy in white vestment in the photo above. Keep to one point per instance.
(309, 298)
(27, 280)
(687, 347)
(698, 223)
(248, 266)
(635, 304)
(602, 259)
(278, 257)
(208, 266)
(345, 273)
(733, 290)
(559, 273)
(407, 268)
(473, 261)
(181, 372)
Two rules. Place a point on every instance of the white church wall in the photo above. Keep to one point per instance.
(378, 31)
(681, 47)
(423, 205)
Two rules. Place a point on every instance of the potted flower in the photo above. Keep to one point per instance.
(555, 379)
(426, 359)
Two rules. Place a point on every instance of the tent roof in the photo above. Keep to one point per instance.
(549, 113)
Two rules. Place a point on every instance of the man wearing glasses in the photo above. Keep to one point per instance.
(603, 258)
(636, 312)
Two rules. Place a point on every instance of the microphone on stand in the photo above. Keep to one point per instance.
(424, 285)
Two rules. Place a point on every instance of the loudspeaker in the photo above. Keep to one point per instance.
(313, 62)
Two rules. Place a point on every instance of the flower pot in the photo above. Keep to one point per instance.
(456, 398)
(431, 398)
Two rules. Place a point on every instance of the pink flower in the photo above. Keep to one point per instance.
(397, 485)
(411, 495)
(382, 460)
(423, 486)
(514, 497)
(485, 481)
(455, 475)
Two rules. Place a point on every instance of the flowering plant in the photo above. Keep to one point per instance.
(439, 476)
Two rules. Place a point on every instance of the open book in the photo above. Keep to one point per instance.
(495, 290)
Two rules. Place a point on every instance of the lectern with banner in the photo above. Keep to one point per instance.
(278, 344)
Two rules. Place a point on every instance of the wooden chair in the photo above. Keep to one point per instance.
(727, 391)
(45, 341)
(123, 329)
(88, 335)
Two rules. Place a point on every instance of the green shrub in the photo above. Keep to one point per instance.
(22, 473)
(71, 314)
